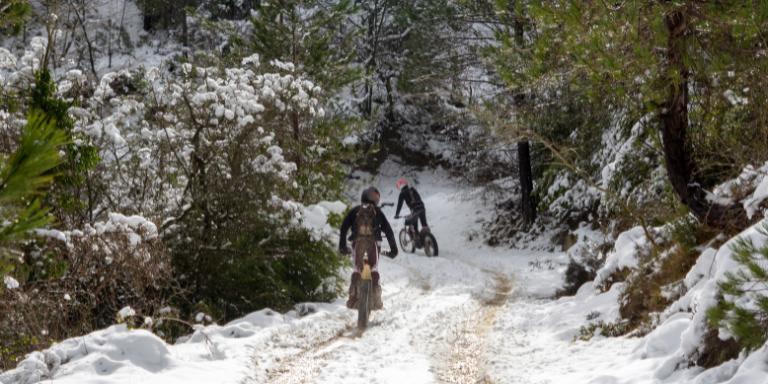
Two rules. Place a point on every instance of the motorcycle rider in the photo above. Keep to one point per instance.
(367, 222)
(412, 199)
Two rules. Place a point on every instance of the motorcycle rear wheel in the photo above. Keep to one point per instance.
(430, 245)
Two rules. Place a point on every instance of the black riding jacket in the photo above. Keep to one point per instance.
(411, 199)
(380, 221)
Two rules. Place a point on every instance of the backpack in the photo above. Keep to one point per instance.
(365, 221)
(365, 232)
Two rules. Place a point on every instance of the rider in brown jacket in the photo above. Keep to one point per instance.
(367, 222)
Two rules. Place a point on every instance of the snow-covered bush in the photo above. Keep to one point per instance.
(712, 330)
(244, 154)
(73, 282)
(655, 281)
(586, 257)
(160, 132)
(742, 310)
(17, 76)
(655, 268)
(651, 263)
(632, 173)
(226, 157)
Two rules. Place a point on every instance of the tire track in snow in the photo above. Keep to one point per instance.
(304, 366)
(464, 364)
(403, 319)
(288, 343)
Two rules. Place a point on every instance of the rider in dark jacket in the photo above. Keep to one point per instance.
(412, 199)
(382, 225)
(369, 200)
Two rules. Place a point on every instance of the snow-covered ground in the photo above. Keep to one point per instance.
(474, 314)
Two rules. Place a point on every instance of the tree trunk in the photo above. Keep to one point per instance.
(370, 65)
(390, 98)
(298, 145)
(527, 205)
(109, 43)
(519, 27)
(681, 168)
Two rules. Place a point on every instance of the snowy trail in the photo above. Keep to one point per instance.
(475, 314)
(426, 330)
(440, 313)
(466, 364)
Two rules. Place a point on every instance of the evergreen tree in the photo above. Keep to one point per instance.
(315, 39)
(743, 306)
(13, 15)
(24, 180)
(415, 54)
(677, 59)
(314, 35)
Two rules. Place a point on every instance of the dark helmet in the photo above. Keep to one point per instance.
(370, 195)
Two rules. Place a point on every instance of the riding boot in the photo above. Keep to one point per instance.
(377, 303)
(352, 301)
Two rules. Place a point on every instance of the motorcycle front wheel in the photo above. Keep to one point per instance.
(406, 242)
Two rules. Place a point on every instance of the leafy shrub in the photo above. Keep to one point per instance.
(260, 268)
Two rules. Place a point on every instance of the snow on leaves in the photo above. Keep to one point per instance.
(152, 125)
(125, 313)
(10, 282)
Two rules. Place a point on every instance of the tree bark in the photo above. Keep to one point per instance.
(297, 138)
(681, 167)
(370, 65)
(527, 205)
(109, 43)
